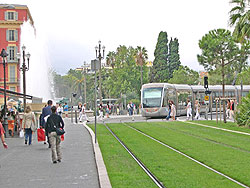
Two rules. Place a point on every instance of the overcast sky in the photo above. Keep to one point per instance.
(71, 29)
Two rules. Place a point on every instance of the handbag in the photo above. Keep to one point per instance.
(40, 135)
(21, 134)
(33, 127)
(59, 131)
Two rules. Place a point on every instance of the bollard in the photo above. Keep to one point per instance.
(71, 114)
(75, 116)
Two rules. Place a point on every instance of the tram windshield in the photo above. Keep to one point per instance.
(152, 97)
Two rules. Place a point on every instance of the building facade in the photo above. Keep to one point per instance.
(11, 19)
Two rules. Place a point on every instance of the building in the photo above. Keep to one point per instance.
(11, 19)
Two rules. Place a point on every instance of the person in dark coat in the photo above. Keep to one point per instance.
(54, 121)
(45, 114)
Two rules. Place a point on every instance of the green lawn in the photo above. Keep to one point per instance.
(173, 169)
(123, 171)
(228, 125)
(200, 143)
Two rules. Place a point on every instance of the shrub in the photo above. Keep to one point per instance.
(243, 112)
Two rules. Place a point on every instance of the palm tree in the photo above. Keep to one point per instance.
(240, 18)
(140, 57)
(110, 59)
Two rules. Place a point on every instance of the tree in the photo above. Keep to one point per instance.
(240, 18)
(218, 50)
(244, 77)
(184, 75)
(140, 57)
(174, 57)
(160, 64)
(243, 112)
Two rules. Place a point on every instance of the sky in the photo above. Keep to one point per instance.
(72, 29)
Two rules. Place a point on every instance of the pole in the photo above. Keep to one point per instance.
(100, 75)
(24, 81)
(211, 106)
(76, 116)
(216, 111)
(206, 112)
(85, 90)
(220, 111)
(95, 103)
(5, 122)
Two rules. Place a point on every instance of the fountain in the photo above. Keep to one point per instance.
(39, 77)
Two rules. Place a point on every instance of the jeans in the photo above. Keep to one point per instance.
(168, 117)
(28, 134)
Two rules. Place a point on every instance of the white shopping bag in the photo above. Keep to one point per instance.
(21, 134)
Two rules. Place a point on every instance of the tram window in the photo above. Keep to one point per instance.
(152, 97)
(182, 97)
(172, 95)
(244, 93)
(165, 98)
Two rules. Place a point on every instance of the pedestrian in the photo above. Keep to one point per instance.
(189, 109)
(228, 108)
(173, 110)
(28, 119)
(2, 136)
(100, 112)
(169, 110)
(66, 109)
(231, 109)
(197, 109)
(79, 107)
(54, 121)
(59, 110)
(107, 109)
(45, 114)
(84, 114)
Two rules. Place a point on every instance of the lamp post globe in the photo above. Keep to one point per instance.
(100, 56)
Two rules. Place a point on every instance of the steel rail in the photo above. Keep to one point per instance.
(202, 164)
(150, 174)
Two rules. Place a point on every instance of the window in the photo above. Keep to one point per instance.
(12, 72)
(11, 35)
(152, 97)
(11, 53)
(11, 15)
(12, 88)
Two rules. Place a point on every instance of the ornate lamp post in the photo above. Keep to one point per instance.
(100, 56)
(24, 68)
(85, 84)
(5, 122)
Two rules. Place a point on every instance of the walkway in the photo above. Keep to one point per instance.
(23, 166)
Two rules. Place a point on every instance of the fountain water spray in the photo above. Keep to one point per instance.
(38, 78)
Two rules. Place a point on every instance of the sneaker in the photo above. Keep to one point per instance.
(25, 141)
(44, 142)
(54, 162)
(59, 160)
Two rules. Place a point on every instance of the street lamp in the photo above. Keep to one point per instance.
(85, 84)
(5, 122)
(100, 56)
(24, 68)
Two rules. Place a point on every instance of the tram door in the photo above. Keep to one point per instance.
(182, 97)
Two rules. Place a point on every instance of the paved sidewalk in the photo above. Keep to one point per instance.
(23, 166)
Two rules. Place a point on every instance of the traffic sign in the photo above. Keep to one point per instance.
(206, 98)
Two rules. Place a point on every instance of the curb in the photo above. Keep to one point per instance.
(101, 168)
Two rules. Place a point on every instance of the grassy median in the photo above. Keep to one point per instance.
(224, 151)
(123, 171)
(170, 167)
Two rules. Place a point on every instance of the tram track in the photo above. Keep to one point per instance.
(139, 162)
(187, 156)
(209, 140)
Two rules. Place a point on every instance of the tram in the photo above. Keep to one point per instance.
(155, 96)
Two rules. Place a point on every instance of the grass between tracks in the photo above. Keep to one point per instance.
(170, 167)
(123, 171)
(226, 152)
(228, 125)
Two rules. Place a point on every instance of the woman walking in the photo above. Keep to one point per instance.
(28, 120)
(173, 110)
(54, 121)
(197, 108)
